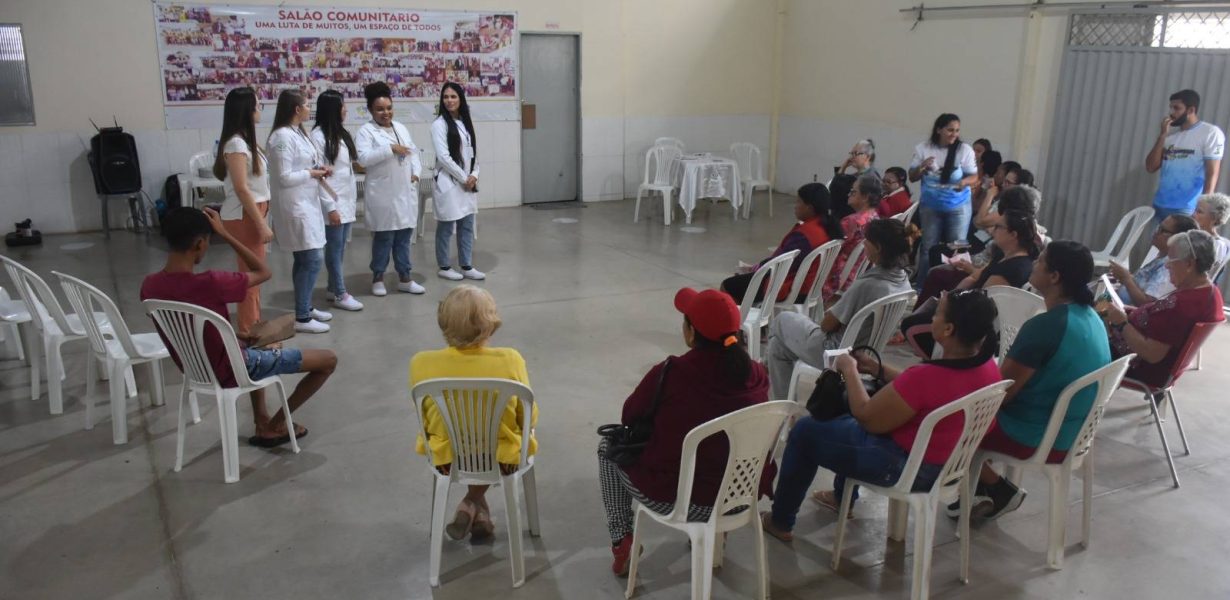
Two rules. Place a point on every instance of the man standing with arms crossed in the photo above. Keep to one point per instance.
(1189, 158)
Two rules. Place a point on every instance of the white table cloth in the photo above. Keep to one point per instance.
(706, 176)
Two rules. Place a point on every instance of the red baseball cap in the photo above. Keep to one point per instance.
(712, 313)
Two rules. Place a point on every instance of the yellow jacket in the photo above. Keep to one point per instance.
(499, 363)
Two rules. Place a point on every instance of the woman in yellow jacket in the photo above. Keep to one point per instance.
(468, 317)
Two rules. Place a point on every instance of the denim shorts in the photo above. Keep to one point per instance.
(262, 363)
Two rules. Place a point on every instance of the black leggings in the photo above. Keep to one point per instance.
(736, 287)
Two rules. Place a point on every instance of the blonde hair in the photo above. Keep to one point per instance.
(468, 317)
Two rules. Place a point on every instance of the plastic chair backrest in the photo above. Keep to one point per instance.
(825, 255)
(40, 300)
(854, 261)
(776, 270)
(979, 410)
(1106, 379)
(200, 160)
(182, 325)
(1132, 224)
(472, 410)
(748, 156)
(662, 157)
(671, 141)
(907, 214)
(886, 314)
(1015, 306)
(84, 297)
(752, 433)
(1199, 335)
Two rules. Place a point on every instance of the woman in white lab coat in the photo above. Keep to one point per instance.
(455, 192)
(390, 194)
(334, 143)
(298, 209)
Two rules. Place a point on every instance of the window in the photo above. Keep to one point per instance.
(16, 102)
(1200, 30)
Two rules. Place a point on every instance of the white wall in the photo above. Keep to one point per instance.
(700, 70)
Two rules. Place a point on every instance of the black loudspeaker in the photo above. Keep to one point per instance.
(114, 162)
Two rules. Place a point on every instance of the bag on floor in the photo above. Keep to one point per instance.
(624, 443)
(830, 398)
(277, 329)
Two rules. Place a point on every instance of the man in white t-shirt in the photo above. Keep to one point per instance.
(1190, 158)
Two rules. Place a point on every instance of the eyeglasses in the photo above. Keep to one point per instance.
(1164, 231)
(858, 153)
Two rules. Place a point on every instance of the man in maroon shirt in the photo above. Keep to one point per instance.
(187, 231)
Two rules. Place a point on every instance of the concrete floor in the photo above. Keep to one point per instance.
(589, 306)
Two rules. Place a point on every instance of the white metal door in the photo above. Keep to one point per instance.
(550, 89)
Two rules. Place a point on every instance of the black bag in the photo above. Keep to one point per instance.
(624, 443)
(830, 400)
(170, 192)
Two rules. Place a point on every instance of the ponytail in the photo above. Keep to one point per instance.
(1073, 262)
(736, 364)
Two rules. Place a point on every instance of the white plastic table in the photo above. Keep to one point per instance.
(706, 176)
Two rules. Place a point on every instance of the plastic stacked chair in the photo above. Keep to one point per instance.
(755, 317)
(751, 172)
(820, 261)
(658, 161)
(1123, 238)
(1015, 307)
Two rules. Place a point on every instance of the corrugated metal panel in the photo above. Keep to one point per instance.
(1109, 108)
(16, 102)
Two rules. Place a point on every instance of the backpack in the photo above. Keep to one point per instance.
(171, 192)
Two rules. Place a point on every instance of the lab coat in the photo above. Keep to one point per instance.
(297, 207)
(342, 181)
(390, 199)
(450, 200)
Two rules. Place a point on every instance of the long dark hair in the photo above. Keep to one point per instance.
(454, 137)
(950, 161)
(1026, 230)
(889, 236)
(903, 178)
(972, 315)
(736, 364)
(237, 121)
(1074, 264)
(288, 101)
(817, 196)
(329, 121)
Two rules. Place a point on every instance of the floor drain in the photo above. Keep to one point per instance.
(563, 220)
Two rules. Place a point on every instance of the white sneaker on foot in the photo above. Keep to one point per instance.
(410, 287)
(450, 274)
(378, 288)
(347, 302)
(312, 326)
(472, 273)
(320, 315)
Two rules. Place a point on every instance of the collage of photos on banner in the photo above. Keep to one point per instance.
(205, 53)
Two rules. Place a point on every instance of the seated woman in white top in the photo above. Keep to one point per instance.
(1212, 211)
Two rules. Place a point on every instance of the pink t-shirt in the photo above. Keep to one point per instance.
(208, 289)
(926, 387)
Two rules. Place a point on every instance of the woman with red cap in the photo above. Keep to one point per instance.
(715, 377)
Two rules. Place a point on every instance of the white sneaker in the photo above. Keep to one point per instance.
(320, 315)
(378, 288)
(450, 274)
(473, 274)
(347, 302)
(312, 326)
(410, 287)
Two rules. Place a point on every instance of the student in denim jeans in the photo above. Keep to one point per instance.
(187, 231)
(947, 168)
(334, 143)
(872, 443)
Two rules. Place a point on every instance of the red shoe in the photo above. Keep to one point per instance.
(622, 552)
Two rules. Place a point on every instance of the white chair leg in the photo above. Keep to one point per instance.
(91, 377)
(898, 519)
(157, 394)
(290, 422)
(636, 210)
(719, 549)
(762, 561)
(512, 505)
(55, 385)
(1087, 501)
(770, 201)
(747, 200)
(439, 510)
(531, 501)
(1174, 408)
(702, 561)
(1058, 517)
(1161, 432)
(667, 210)
(843, 514)
(966, 499)
(230, 440)
(32, 355)
(634, 559)
(119, 403)
(181, 430)
(924, 538)
(1013, 473)
(130, 382)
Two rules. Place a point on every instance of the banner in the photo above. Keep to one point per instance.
(206, 50)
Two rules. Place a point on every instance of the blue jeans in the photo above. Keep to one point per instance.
(335, 248)
(845, 448)
(303, 272)
(939, 227)
(266, 362)
(465, 241)
(397, 242)
(1160, 214)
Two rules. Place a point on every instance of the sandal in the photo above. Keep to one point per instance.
(766, 523)
(462, 521)
(829, 500)
(483, 527)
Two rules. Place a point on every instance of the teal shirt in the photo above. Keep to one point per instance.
(1061, 345)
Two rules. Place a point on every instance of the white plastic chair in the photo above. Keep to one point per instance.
(1015, 306)
(184, 325)
(885, 314)
(813, 305)
(1123, 239)
(978, 410)
(755, 317)
(472, 410)
(193, 184)
(907, 214)
(854, 261)
(752, 433)
(14, 314)
(671, 141)
(751, 171)
(120, 350)
(658, 160)
(56, 328)
(1107, 381)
